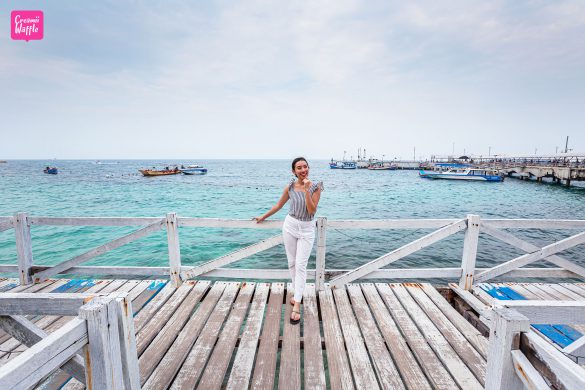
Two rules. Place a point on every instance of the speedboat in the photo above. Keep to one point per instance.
(342, 165)
(51, 170)
(476, 174)
(193, 170)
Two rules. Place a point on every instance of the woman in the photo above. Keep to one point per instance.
(298, 230)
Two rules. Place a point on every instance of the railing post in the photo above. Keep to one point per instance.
(103, 362)
(469, 252)
(506, 326)
(174, 249)
(320, 260)
(23, 248)
(126, 333)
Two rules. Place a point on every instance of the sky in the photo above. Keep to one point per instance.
(276, 79)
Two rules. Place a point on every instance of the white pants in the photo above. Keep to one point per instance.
(298, 242)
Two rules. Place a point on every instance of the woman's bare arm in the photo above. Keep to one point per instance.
(281, 202)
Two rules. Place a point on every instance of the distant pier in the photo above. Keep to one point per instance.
(560, 169)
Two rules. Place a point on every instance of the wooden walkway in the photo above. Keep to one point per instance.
(213, 335)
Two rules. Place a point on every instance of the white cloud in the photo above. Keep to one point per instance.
(239, 78)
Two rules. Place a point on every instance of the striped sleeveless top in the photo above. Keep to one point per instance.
(298, 205)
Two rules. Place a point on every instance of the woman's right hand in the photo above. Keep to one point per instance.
(258, 219)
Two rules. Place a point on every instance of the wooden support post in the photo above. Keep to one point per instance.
(320, 261)
(469, 252)
(129, 354)
(23, 248)
(103, 363)
(505, 329)
(174, 249)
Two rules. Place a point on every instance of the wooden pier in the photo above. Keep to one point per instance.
(237, 335)
(187, 331)
(213, 335)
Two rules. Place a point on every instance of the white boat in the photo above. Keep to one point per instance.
(475, 174)
(193, 170)
(382, 166)
(342, 165)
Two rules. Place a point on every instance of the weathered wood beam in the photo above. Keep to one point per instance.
(520, 261)
(29, 334)
(42, 303)
(8, 268)
(548, 312)
(110, 270)
(399, 253)
(259, 273)
(534, 223)
(481, 308)
(233, 256)
(5, 225)
(401, 273)
(94, 221)
(228, 223)
(392, 224)
(392, 273)
(529, 376)
(34, 364)
(528, 247)
(568, 373)
(64, 266)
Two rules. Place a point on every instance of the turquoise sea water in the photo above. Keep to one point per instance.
(242, 189)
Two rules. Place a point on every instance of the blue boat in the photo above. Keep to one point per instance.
(51, 170)
(193, 170)
(474, 174)
(342, 165)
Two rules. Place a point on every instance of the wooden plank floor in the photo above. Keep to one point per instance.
(213, 335)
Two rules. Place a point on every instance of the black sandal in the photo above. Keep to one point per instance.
(294, 322)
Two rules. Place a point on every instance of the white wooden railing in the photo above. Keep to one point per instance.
(97, 347)
(466, 274)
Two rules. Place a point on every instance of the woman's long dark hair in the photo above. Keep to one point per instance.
(295, 161)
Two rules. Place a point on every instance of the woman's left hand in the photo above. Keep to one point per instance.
(307, 183)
